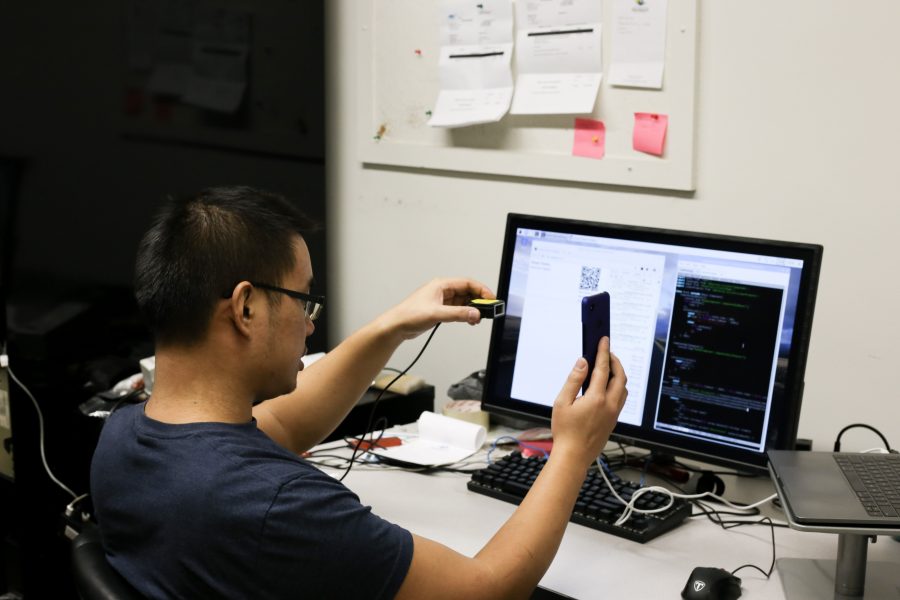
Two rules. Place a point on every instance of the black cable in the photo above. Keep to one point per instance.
(715, 517)
(455, 470)
(315, 459)
(368, 428)
(749, 566)
(837, 442)
(132, 397)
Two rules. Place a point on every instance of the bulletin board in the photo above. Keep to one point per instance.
(280, 106)
(398, 83)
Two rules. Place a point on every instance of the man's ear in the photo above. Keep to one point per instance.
(243, 305)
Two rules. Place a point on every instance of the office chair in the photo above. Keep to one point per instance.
(95, 579)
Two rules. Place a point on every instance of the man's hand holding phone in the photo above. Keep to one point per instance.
(582, 424)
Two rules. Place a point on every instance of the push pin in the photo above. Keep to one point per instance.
(418, 52)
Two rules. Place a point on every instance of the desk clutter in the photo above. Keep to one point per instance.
(467, 410)
(439, 441)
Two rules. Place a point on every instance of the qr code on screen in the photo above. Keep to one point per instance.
(590, 278)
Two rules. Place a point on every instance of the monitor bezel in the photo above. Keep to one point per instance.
(739, 459)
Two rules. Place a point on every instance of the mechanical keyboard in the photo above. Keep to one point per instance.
(510, 478)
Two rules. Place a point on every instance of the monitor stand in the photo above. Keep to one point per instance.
(850, 576)
(659, 463)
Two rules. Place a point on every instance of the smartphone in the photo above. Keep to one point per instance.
(594, 325)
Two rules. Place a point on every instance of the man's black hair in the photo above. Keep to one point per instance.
(200, 247)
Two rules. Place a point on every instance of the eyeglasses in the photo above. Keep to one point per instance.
(312, 305)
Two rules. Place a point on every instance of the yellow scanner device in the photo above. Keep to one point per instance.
(489, 309)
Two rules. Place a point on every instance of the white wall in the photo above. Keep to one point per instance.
(797, 138)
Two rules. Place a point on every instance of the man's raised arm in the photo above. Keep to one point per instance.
(512, 563)
(327, 391)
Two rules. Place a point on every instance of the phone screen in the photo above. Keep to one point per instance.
(594, 325)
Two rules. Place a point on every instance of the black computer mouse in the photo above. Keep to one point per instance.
(710, 583)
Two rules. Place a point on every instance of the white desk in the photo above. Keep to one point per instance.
(592, 564)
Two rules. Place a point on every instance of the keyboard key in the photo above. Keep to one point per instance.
(876, 480)
(515, 487)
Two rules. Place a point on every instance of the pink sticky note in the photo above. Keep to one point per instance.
(650, 132)
(590, 138)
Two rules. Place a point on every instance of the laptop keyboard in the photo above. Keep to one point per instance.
(876, 480)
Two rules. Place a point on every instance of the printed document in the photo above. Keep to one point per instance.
(220, 56)
(475, 62)
(639, 44)
(558, 56)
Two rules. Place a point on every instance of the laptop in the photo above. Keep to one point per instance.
(829, 488)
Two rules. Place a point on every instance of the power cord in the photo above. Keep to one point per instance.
(40, 415)
(630, 507)
(362, 438)
(837, 442)
(713, 515)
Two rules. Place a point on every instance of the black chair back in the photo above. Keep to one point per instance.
(95, 579)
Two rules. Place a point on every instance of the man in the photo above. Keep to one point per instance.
(200, 492)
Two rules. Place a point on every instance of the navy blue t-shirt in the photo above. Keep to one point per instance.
(216, 510)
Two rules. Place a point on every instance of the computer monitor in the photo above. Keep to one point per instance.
(712, 330)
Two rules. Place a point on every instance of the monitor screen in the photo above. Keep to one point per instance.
(712, 332)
